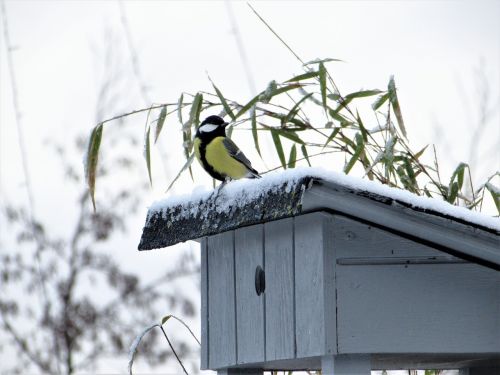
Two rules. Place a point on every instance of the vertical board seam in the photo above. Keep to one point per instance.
(264, 294)
(207, 301)
(235, 299)
(335, 287)
(294, 291)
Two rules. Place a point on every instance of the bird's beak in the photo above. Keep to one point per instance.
(225, 124)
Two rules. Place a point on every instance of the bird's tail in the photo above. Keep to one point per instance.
(252, 173)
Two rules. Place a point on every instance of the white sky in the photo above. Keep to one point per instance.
(432, 48)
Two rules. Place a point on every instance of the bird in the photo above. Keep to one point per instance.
(218, 154)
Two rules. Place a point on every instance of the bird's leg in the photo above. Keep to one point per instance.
(217, 190)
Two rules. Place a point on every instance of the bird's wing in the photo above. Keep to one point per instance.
(236, 153)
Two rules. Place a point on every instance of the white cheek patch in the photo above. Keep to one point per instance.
(207, 128)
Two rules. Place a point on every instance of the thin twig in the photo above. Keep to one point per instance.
(173, 351)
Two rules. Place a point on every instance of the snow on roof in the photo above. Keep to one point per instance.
(240, 193)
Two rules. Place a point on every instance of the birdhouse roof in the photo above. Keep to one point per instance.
(456, 230)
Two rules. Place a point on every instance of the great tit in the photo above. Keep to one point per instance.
(218, 154)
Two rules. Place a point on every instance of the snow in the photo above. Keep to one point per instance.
(239, 193)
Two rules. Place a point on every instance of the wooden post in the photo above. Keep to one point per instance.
(240, 371)
(480, 370)
(345, 364)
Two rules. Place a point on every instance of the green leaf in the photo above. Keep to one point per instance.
(147, 154)
(226, 106)
(360, 146)
(380, 101)
(453, 192)
(332, 135)
(321, 61)
(279, 147)
(254, 132)
(304, 76)
(295, 108)
(179, 108)
(419, 154)
(393, 97)
(410, 173)
(336, 115)
(495, 194)
(362, 128)
(160, 122)
(291, 135)
(306, 155)
(459, 174)
(362, 94)
(92, 158)
(186, 165)
(165, 319)
(322, 84)
(247, 106)
(194, 114)
(292, 159)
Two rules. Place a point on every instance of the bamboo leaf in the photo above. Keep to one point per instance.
(165, 319)
(362, 128)
(247, 106)
(453, 192)
(160, 122)
(336, 115)
(495, 194)
(393, 97)
(321, 61)
(194, 114)
(186, 165)
(332, 135)
(279, 147)
(360, 146)
(226, 106)
(362, 94)
(304, 76)
(322, 84)
(254, 132)
(291, 135)
(305, 154)
(458, 173)
(147, 154)
(292, 159)
(295, 108)
(380, 101)
(179, 108)
(419, 154)
(92, 158)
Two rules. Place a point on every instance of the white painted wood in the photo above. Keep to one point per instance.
(451, 236)
(221, 301)
(249, 253)
(346, 364)
(279, 294)
(314, 285)
(240, 371)
(415, 308)
(204, 304)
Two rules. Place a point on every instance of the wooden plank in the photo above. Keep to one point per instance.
(414, 308)
(346, 365)
(314, 286)
(221, 301)
(204, 304)
(279, 294)
(352, 236)
(249, 253)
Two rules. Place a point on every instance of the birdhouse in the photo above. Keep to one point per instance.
(311, 270)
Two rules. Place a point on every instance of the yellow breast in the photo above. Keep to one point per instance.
(220, 160)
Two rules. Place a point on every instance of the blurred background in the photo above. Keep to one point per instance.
(74, 290)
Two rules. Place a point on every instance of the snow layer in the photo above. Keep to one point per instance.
(241, 192)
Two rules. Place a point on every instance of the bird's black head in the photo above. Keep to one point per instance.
(213, 126)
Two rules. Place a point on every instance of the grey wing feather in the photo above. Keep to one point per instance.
(236, 153)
